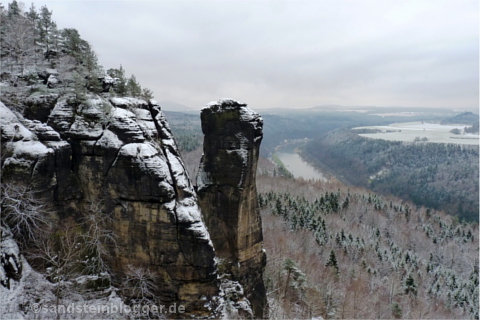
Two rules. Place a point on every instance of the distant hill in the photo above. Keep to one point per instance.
(464, 118)
(435, 175)
(168, 105)
(473, 129)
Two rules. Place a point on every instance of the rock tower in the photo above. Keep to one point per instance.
(228, 196)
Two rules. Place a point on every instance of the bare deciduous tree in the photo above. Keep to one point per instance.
(96, 238)
(140, 283)
(18, 40)
(25, 214)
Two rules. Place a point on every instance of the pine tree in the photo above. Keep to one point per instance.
(146, 94)
(278, 207)
(75, 45)
(90, 61)
(332, 261)
(133, 87)
(45, 26)
(33, 16)
(94, 84)
(410, 285)
(120, 86)
(397, 311)
(295, 277)
(55, 36)
(13, 10)
(80, 90)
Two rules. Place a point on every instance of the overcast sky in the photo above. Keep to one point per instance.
(293, 54)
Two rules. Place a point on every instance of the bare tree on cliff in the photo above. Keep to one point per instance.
(140, 284)
(96, 238)
(23, 212)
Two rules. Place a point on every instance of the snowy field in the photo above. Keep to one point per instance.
(434, 132)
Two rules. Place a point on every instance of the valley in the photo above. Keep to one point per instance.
(110, 198)
(337, 249)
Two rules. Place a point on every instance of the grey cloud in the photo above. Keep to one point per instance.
(288, 53)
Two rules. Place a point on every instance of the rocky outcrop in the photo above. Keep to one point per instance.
(227, 192)
(119, 153)
(10, 260)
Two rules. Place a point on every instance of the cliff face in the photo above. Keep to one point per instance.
(119, 153)
(228, 196)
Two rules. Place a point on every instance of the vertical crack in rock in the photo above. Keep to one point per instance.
(192, 236)
(112, 163)
(228, 196)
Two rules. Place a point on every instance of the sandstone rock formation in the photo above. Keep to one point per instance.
(228, 196)
(119, 153)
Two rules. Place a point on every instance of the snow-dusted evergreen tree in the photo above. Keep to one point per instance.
(120, 87)
(33, 16)
(133, 87)
(74, 44)
(45, 26)
(147, 94)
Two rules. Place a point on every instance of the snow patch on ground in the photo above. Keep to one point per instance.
(125, 122)
(43, 131)
(247, 114)
(96, 107)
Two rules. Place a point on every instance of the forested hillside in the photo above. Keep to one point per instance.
(40, 60)
(187, 130)
(348, 253)
(344, 252)
(333, 251)
(463, 118)
(310, 124)
(440, 176)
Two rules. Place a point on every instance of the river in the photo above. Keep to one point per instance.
(298, 167)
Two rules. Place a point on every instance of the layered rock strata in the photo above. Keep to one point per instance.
(119, 153)
(119, 156)
(227, 191)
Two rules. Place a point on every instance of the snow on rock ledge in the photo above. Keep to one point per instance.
(121, 153)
